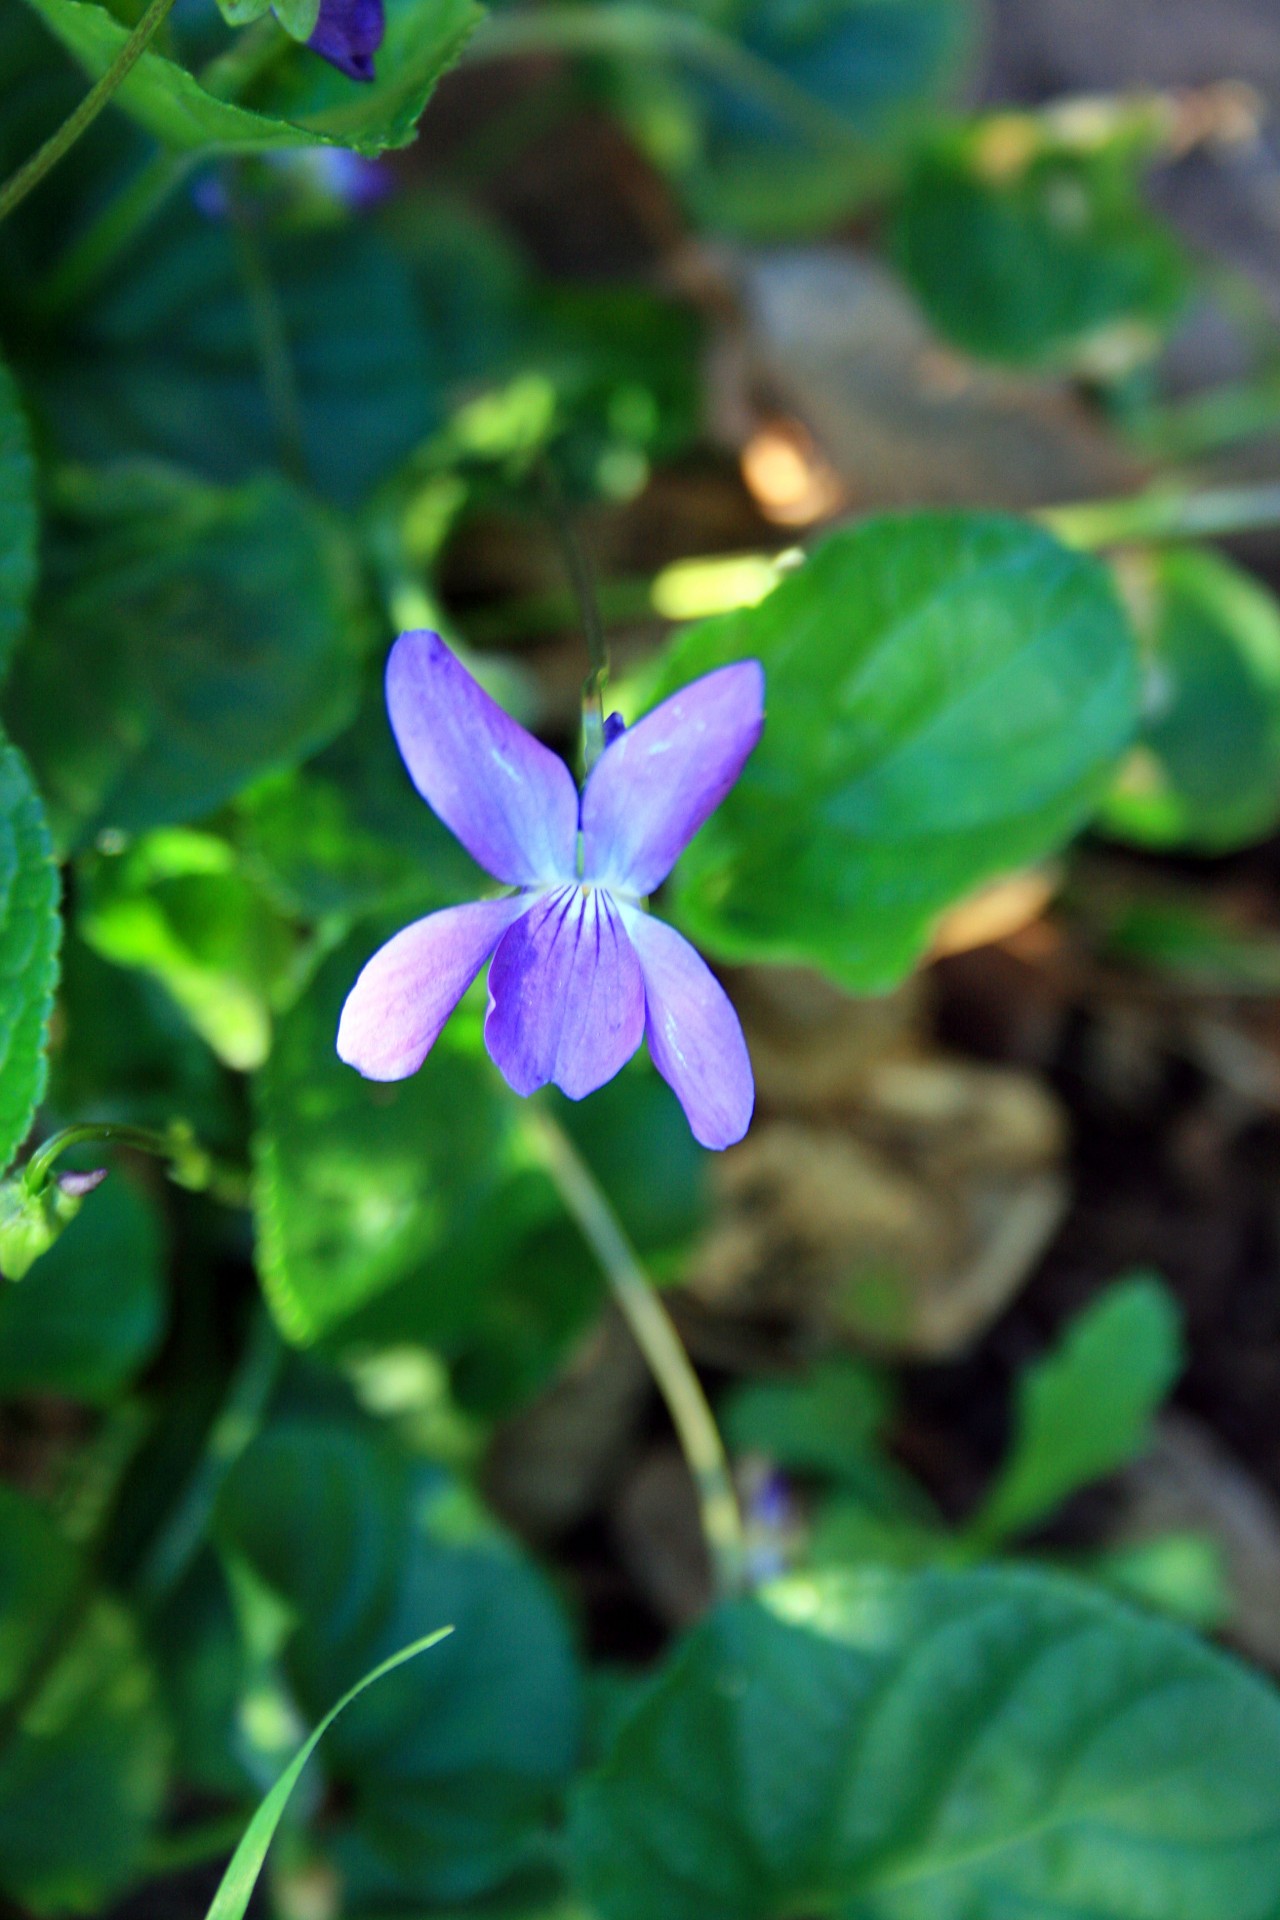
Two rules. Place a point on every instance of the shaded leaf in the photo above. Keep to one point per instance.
(17, 518)
(998, 1745)
(190, 639)
(30, 932)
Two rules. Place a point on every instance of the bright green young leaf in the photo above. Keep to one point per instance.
(235, 1889)
(1027, 240)
(167, 359)
(997, 1745)
(91, 1311)
(946, 696)
(82, 1771)
(298, 102)
(190, 640)
(450, 1774)
(361, 1186)
(1086, 1408)
(30, 931)
(175, 904)
(1206, 771)
(297, 17)
(17, 518)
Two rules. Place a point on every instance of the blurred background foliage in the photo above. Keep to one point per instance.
(929, 352)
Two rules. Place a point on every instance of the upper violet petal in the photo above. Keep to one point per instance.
(404, 995)
(694, 1035)
(347, 34)
(566, 1000)
(653, 787)
(510, 800)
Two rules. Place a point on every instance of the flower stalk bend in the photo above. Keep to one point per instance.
(33, 171)
(650, 1323)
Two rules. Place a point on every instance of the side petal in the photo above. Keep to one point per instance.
(404, 995)
(510, 800)
(693, 1032)
(653, 787)
(566, 1001)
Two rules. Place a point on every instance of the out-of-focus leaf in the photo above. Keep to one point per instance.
(91, 1311)
(190, 639)
(167, 360)
(828, 1424)
(30, 932)
(17, 518)
(297, 17)
(450, 1775)
(800, 110)
(1206, 770)
(946, 697)
(990, 1744)
(299, 101)
(1086, 1408)
(81, 1765)
(1026, 239)
(202, 1669)
(175, 905)
(360, 1186)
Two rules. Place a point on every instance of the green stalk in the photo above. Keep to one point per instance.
(660, 1344)
(29, 175)
(1165, 513)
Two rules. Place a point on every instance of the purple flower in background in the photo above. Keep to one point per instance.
(347, 34)
(580, 970)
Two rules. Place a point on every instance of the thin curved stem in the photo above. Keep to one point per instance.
(33, 171)
(189, 1163)
(1165, 513)
(578, 568)
(660, 1344)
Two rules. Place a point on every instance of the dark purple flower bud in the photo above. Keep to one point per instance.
(348, 34)
(614, 728)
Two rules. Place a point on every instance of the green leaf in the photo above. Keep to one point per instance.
(1026, 239)
(81, 1745)
(359, 1186)
(946, 695)
(17, 519)
(799, 112)
(235, 1889)
(1206, 771)
(448, 1777)
(997, 1745)
(298, 102)
(175, 904)
(30, 931)
(91, 1312)
(297, 17)
(167, 359)
(828, 1424)
(1086, 1408)
(190, 639)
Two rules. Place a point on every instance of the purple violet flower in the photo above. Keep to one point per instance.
(580, 972)
(347, 34)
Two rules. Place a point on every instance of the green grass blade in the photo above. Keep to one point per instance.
(232, 1897)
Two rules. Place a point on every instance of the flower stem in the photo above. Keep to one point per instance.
(29, 175)
(658, 1340)
(578, 568)
(1165, 513)
(191, 1166)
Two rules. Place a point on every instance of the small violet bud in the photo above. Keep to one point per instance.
(347, 34)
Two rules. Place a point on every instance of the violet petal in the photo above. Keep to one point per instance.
(566, 1000)
(406, 992)
(653, 787)
(347, 34)
(693, 1032)
(510, 800)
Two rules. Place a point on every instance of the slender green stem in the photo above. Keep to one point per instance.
(635, 31)
(270, 339)
(190, 1165)
(578, 568)
(658, 1340)
(34, 170)
(1165, 513)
